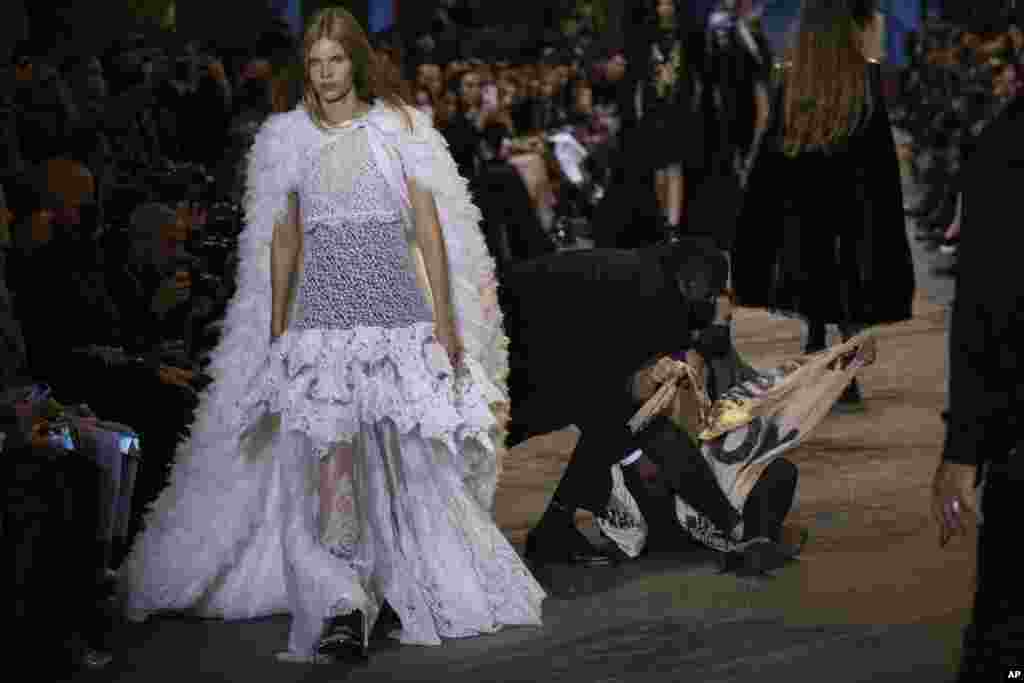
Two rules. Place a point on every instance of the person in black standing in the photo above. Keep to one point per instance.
(986, 395)
(668, 99)
(821, 233)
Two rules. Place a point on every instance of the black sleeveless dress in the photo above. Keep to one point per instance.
(670, 124)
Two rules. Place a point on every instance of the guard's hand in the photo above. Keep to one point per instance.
(667, 370)
(954, 501)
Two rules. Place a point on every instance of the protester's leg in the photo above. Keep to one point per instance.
(770, 500)
(994, 641)
(688, 474)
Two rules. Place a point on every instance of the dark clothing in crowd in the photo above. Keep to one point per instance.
(627, 216)
(733, 74)
(63, 302)
(463, 139)
(610, 311)
(512, 230)
(12, 340)
(986, 390)
(45, 117)
(50, 508)
(822, 234)
(671, 117)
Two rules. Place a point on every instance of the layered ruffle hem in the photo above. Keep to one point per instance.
(404, 526)
(327, 383)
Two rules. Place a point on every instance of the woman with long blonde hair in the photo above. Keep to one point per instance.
(343, 464)
(822, 234)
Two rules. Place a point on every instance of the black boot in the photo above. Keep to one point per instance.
(556, 540)
(345, 639)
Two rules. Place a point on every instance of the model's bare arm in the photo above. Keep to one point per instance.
(435, 258)
(284, 257)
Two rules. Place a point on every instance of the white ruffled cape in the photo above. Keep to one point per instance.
(216, 502)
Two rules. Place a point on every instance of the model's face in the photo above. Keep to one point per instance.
(330, 70)
(665, 9)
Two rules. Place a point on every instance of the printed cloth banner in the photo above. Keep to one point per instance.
(765, 414)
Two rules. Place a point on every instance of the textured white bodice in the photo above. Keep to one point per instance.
(357, 267)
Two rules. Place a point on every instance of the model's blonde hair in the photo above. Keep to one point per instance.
(826, 82)
(370, 78)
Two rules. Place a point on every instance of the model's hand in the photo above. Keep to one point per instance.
(449, 339)
(954, 502)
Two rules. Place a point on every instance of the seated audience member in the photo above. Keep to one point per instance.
(462, 129)
(512, 226)
(152, 289)
(64, 303)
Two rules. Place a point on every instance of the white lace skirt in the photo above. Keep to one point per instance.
(404, 528)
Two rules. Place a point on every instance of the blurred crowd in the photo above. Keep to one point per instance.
(958, 80)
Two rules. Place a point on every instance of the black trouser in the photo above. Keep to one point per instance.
(685, 472)
(690, 477)
(587, 480)
(994, 641)
(49, 533)
(770, 500)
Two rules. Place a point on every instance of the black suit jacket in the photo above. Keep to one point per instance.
(581, 323)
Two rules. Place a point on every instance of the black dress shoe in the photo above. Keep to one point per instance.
(563, 546)
(345, 640)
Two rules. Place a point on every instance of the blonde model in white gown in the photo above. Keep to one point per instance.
(238, 532)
